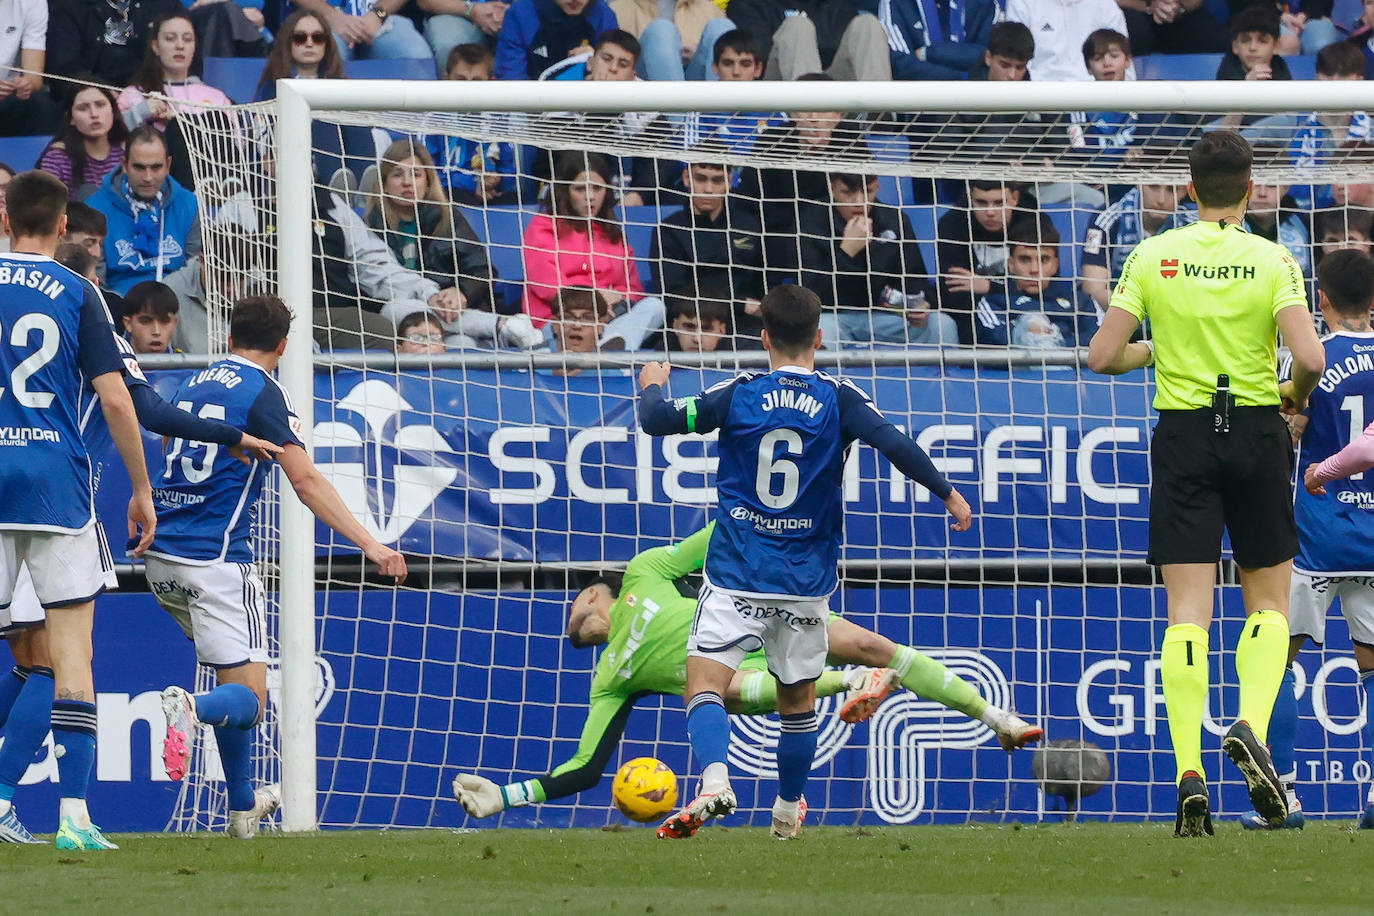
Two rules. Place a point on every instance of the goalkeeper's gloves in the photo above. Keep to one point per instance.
(479, 796)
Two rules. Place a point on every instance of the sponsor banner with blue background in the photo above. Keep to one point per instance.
(417, 686)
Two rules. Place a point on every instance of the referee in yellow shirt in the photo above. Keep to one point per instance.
(1217, 298)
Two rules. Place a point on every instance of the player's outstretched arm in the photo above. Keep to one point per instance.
(119, 412)
(1355, 458)
(700, 413)
(320, 496)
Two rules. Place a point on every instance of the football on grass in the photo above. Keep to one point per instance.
(644, 789)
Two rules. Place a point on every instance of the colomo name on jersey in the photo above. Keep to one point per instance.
(33, 278)
(797, 400)
(1169, 267)
(1346, 368)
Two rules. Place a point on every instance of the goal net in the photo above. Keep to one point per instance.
(963, 252)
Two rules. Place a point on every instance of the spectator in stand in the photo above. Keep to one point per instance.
(1254, 35)
(537, 34)
(449, 23)
(863, 261)
(370, 29)
(1317, 134)
(1034, 307)
(150, 317)
(26, 107)
(1107, 55)
(738, 58)
(1172, 27)
(1060, 27)
(577, 241)
(91, 146)
(1273, 215)
(971, 247)
(474, 172)
(305, 49)
(1306, 26)
(677, 47)
(233, 270)
(86, 227)
(1337, 229)
(811, 36)
(80, 260)
(714, 241)
(614, 58)
(429, 236)
(153, 222)
(698, 322)
(1113, 233)
(936, 39)
(96, 41)
(580, 318)
(166, 69)
(782, 194)
(420, 333)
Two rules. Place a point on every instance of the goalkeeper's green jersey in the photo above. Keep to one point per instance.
(646, 650)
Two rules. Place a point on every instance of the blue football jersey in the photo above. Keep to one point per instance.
(1336, 531)
(55, 336)
(780, 509)
(95, 431)
(206, 499)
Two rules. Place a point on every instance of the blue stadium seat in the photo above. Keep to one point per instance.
(1302, 66)
(21, 153)
(419, 68)
(236, 77)
(501, 230)
(923, 219)
(1177, 66)
(1346, 13)
(1069, 235)
(895, 190)
(640, 224)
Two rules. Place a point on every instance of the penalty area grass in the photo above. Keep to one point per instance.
(1047, 868)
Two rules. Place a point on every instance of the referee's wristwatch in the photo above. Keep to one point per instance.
(376, 10)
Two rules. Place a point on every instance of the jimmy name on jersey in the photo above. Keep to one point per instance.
(1336, 531)
(783, 437)
(206, 499)
(55, 336)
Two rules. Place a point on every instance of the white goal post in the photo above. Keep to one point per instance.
(298, 101)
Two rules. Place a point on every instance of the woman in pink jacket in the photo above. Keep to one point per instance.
(577, 240)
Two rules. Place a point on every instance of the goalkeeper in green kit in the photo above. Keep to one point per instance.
(643, 620)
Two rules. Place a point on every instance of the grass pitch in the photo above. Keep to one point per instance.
(1048, 868)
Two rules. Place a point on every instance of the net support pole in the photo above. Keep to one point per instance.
(296, 636)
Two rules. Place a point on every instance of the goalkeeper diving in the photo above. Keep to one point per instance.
(643, 621)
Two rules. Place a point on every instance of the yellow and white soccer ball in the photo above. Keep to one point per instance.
(644, 789)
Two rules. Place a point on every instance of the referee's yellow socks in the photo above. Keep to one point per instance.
(1183, 673)
(1261, 657)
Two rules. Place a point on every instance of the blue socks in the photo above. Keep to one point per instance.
(236, 753)
(10, 685)
(796, 751)
(1283, 728)
(708, 729)
(231, 705)
(73, 730)
(30, 717)
(1367, 682)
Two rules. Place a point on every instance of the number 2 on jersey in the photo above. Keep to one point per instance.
(770, 466)
(50, 336)
(193, 472)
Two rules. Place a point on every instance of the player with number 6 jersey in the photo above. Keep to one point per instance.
(771, 566)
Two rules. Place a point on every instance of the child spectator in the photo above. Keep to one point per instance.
(715, 240)
(166, 69)
(972, 247)
(1320, 132)
(420, 332)
(1113, 233)
(863, 261)
(580, 317)
(1107, 55)
(153, 222)
(678, 46)
(150, 317)
(1336, 229)
(1035, 308)
(1273, 215)
(86, 227)
(1254, 34)
(1010, 48)
(577, 241)
(1060, 28)
(936, 39)
(90, 146)
(536, 34)
(474, 172)
(699, 323)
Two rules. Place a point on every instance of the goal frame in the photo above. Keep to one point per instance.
(298, 100)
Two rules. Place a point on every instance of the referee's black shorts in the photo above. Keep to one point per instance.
(1205, 481)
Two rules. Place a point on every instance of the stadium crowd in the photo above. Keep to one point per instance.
(414, 242)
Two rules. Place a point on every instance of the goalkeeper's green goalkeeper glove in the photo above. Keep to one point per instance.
(480, 797)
